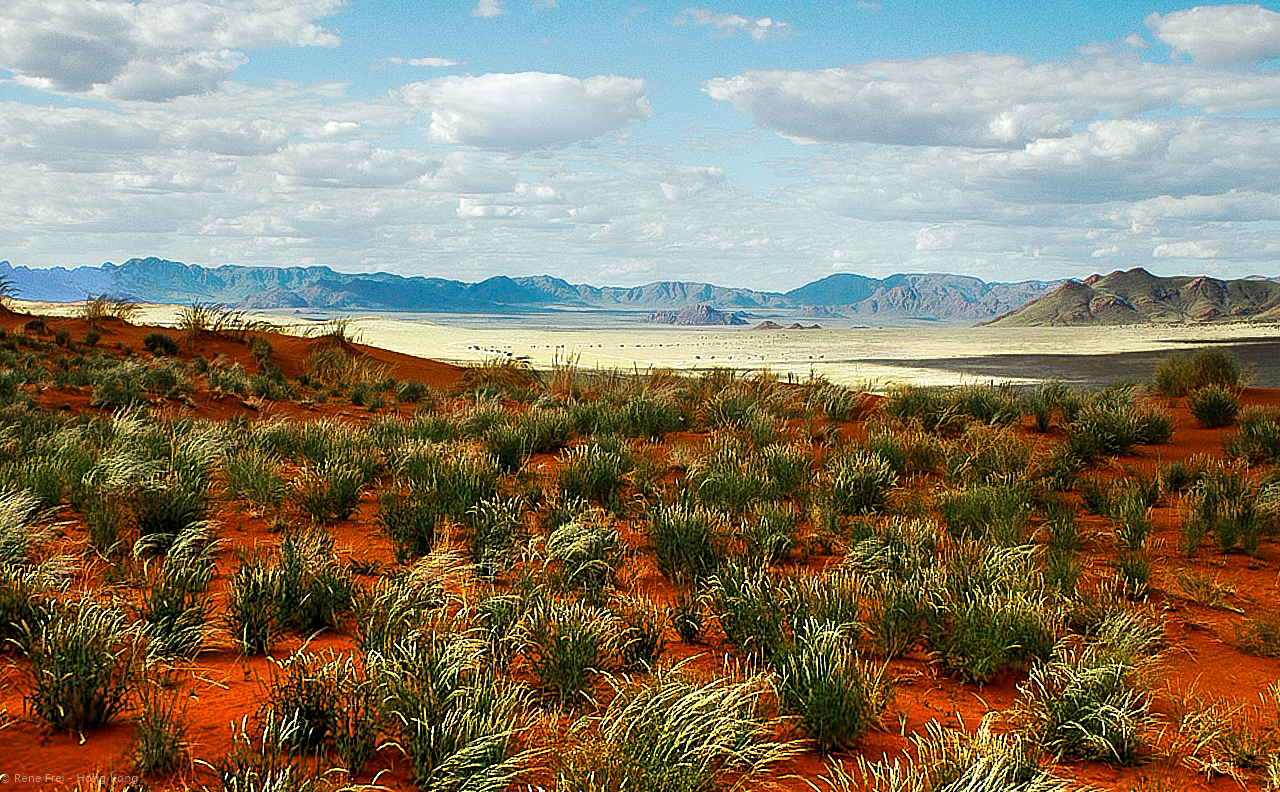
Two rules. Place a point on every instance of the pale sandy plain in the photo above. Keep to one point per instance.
(874, 358)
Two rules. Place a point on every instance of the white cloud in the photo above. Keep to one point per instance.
(980, 99)
(1220, 34)
(726, 25)
(489, 8)
(150, 50)
(350, 164)
(526, 111)
(1190, 249)
(434, 63)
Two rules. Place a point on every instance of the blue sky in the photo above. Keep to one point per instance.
(761, 144)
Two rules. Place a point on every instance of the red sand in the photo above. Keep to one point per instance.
(222, 687)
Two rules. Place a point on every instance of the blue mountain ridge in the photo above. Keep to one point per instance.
(941, 297)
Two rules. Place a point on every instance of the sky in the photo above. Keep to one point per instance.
(761, 144)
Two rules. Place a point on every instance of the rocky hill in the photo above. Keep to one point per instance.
(695, 315)
(1138, 297)
(950, 299)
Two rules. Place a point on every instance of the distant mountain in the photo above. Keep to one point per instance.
(951, 299)
(1138, 297)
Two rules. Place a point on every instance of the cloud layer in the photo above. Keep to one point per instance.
(981, 99)
(990, 164)
(151, 50)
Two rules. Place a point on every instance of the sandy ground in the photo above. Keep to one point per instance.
(874, 358)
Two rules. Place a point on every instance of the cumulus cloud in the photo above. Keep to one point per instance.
(527, 111)
(1222, 34)
(150, 50)
(980, 99)
(489, 8)
(727, 25)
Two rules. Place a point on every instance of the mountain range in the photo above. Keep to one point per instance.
(1137, 297)
(947, 299)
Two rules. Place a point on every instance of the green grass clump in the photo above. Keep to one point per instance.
(256, 478)
(310, 589)
(251, 611)
(84, 663)
(1214, 406)
(455, 721)
(596, 472)
(584, 554)
(497, 530)
(1090, 701)
(997, 514)
(160, 743)
(1260, 635)
(951, 760)
(329, 490)
(685, 541)
(671, 733)
(175, 607)
(1177, 376)
(567, 645)
(750, 609)
(411, 520)
(859, 483)
(834, 693)
(986, 611)
(1257, 437)
(1237, 510)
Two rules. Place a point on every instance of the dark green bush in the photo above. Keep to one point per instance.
(1214, 406)
(160, 344)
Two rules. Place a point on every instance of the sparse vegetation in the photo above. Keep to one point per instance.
(493, 582)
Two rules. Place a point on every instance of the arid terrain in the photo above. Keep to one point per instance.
(240, 559)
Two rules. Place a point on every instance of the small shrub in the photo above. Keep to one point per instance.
(159, 343)
(1214, 406)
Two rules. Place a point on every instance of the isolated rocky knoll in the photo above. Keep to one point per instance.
(695, 315)
(952, 299)
(1138, 297)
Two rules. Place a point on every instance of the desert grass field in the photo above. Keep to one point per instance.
(233, 559)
